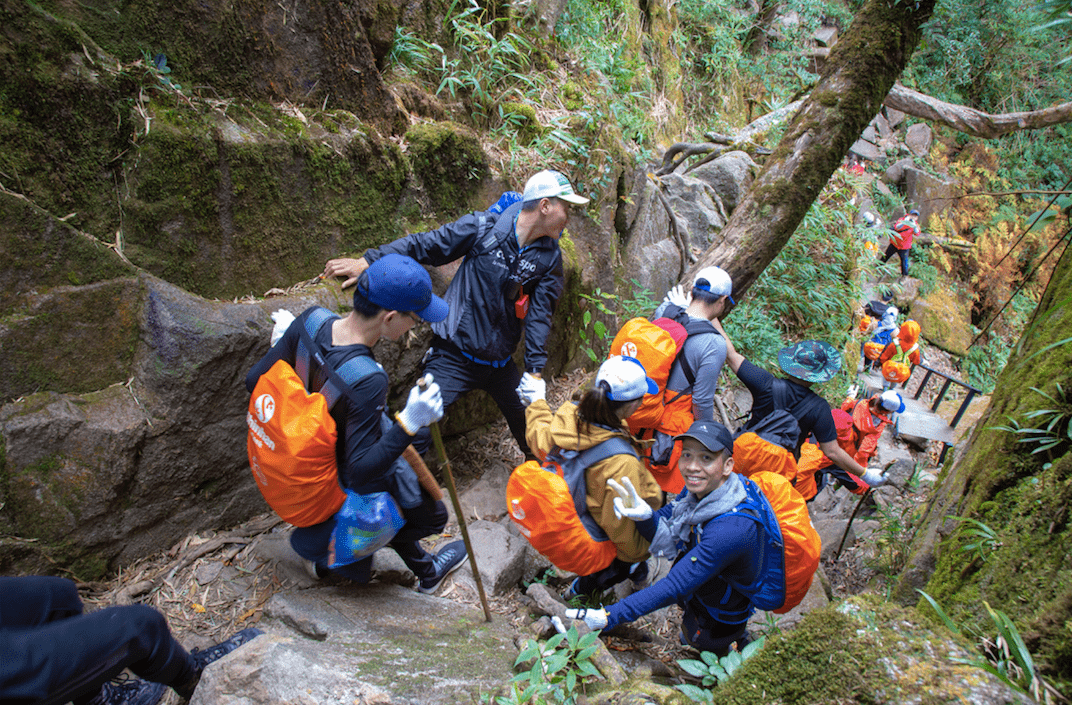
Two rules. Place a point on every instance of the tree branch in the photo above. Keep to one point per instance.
(971, 121)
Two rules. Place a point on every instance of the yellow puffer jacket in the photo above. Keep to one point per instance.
(546, 430)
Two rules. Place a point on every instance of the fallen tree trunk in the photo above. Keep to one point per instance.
(855, 80)
(971, 121)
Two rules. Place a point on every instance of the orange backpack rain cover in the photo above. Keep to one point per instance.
(291, 447)
(655, 347)
(752, 454)
(801, 541)
(540, 503)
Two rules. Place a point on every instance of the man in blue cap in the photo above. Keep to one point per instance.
(508, 283)
(716, 549)
(389, 299)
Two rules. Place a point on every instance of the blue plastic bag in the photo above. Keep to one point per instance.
(364, 524)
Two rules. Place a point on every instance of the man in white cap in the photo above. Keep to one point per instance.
(508, 283)
(693, 379)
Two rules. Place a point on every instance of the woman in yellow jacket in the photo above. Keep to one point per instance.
(619, 387)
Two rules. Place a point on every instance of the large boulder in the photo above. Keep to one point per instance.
(930, 194)
(944, 321)
(730, 175)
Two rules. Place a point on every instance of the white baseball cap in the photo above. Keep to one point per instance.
(714, 280)
(625, 378)
(892, 401)
(551, 184)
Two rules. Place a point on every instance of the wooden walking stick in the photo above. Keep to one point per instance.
(437, 439)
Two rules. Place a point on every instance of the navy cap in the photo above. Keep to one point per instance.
(713, 435)
(398, 283)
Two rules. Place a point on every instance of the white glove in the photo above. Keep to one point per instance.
(629, 503)
(678, 296)
(283, 318)
(531, 389)
(594, 618)
(853, 391)
(874, 477)
(423, 407)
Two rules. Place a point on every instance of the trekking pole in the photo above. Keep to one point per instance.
(849, 525)
(437, 439)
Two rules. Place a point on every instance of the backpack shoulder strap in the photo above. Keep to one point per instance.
(573, 466)
(339, 382)
(487, 237)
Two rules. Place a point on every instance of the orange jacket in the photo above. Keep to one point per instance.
(907, 344)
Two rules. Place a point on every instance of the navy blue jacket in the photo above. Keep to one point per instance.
(482, 320)
(726, 548)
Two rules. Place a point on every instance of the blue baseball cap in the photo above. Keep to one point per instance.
(398, 283)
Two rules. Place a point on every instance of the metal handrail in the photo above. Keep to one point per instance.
(972, 391)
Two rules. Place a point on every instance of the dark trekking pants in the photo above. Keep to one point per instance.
(52, 653)
(427, 518)
(903, 254)
(456, 375)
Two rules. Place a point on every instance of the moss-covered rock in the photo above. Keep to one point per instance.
(944, 320)
(449, 163)
(1022, 495)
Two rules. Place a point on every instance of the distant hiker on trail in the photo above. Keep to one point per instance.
(619, 386)
(693, 380)
(807, 363)
(904, 229)
(389, 297)
(53, 652)
(859, 425)
(508, 283)
(717, 551)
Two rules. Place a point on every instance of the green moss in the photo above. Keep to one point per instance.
(448, 161)
(573, 97)
(523, 117)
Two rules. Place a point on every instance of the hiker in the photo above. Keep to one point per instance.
(859, 425)
(715, 549)
(901, 353)
(807, 363)
(53, 652)
(904, 229)
(508, 283)
(881, 334)
(619, 387)
(389, 297)
(693, 380)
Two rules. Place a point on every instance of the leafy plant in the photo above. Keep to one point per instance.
(1004, 655)
(617, 309)
(558, 669)
(712, 670)
(1056, 424)
(984, 540)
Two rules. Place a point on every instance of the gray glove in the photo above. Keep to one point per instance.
(531, 389)
(678, 296)
(283, 318)
(594, 618)
(629, 503)
(424, 407)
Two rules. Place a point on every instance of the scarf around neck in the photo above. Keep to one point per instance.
(692, 511)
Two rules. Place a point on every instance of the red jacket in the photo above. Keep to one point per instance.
(904, 230)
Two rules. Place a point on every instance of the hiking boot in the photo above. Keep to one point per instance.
(215, 653)
(310, 569)
(639, 576)
(447, 560)
(572, 591)
(126, 690)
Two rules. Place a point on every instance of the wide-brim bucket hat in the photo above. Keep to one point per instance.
(810, 360)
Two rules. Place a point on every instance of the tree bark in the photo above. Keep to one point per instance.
(862, 69)
(971, 121)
